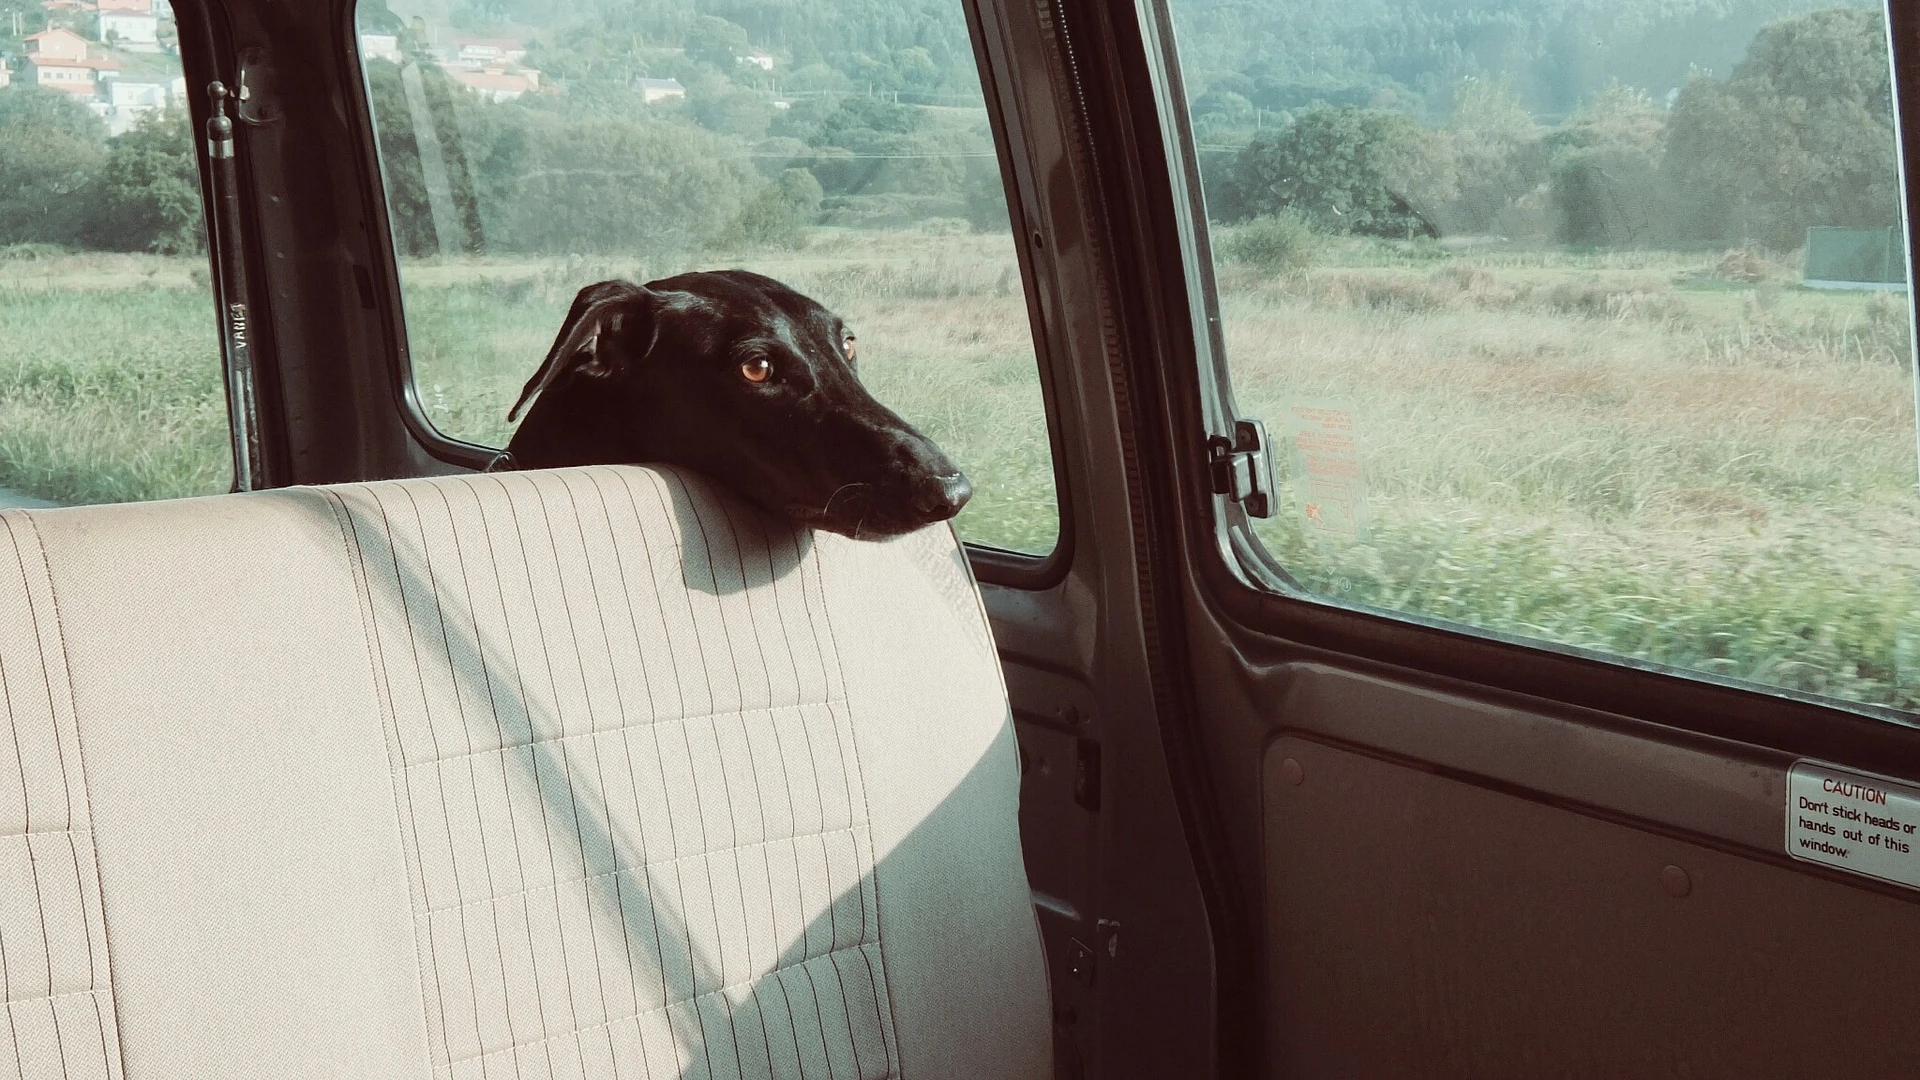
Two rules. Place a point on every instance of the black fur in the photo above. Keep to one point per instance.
(661, 373)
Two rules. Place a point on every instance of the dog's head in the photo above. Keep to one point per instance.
(741, 378)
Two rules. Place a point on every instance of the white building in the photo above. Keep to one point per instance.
(129, 24)
(759, 58)
(487, 52)
(127, 103)
(380, 47)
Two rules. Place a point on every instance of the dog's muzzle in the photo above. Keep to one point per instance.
(937, 498)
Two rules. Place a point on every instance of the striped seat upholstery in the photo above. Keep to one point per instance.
(584, 773)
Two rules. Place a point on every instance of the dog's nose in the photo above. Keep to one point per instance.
(937, 498)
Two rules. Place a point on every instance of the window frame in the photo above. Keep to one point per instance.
(994, 565)
(1249, 589)
(206, 55)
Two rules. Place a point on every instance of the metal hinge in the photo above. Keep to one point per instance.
(1243, 467)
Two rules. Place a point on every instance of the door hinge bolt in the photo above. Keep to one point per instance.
(1243, 467)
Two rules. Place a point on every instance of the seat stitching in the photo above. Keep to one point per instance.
(640, 867)
(660, 757)
(551, 740)
(626, 746)
(646, 678)
(853, 733)
(433, 736)
(546, 813)
(786, 780)
(566, 760)
(513, 660)
(846, 1010)
(693, 777)
(389, 722)
(746, 742)
(21, 834)
(642, 1014)
(460, 700)
(593, 718)
(66, 790)
(699, 522)
(91, 991)
(26, 794)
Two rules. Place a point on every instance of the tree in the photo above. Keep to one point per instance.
(1802, 134)
(606, 185)
(716, 41)
(719, 105)
(146, 196)
(1497, 153)
(917, 70)
(26, 16)
(50, 146)
(1220, 111)
(1605, 173)
(1345, 170)
(778, 214)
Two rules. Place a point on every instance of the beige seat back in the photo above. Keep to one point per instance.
(585, 773)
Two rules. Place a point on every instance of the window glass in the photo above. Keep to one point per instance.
(532, 147)
(110, 374)
(1579, 322)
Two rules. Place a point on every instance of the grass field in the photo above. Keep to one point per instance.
(1674, 458)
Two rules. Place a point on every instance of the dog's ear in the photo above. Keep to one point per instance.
(583, 344)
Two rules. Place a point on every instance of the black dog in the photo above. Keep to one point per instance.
(741, 378)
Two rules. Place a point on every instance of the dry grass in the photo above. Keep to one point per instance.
(1683, 460)
(1612, 461)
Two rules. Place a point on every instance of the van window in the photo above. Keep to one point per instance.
(536, 147)
(1582, 324)
(110, 369)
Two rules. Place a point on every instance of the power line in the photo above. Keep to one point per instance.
(873, 157)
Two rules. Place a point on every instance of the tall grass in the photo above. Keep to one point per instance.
(1682, 460)
(110, 384)
(1638, 460)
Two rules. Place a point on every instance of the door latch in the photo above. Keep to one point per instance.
(1243, 467)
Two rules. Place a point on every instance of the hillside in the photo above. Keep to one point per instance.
(1556, 54)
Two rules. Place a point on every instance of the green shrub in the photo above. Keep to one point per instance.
(1277, 243)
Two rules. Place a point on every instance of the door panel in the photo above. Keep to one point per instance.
(1507, 850)
(1425, 924)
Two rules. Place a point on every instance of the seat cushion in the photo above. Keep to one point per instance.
(592, 772)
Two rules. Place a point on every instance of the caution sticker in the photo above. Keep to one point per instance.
(1856, 821)
(1325, 460)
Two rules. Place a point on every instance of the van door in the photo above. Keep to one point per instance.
(1548, 651)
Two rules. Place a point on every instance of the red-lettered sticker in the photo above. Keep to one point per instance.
(1856, 821)
(1325, 458)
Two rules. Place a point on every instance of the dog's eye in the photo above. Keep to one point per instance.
(757, 370)
(848, 346)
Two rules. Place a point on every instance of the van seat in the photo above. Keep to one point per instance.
(583, 773)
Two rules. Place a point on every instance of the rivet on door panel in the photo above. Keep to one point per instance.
(1676, 881)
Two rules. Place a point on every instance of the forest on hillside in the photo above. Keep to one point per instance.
(1675, 123)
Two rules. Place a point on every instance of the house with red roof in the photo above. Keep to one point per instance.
(490, 67)
(57, 60)
(497, 84)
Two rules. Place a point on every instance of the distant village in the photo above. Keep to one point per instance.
(493, 68)
(120, 57)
